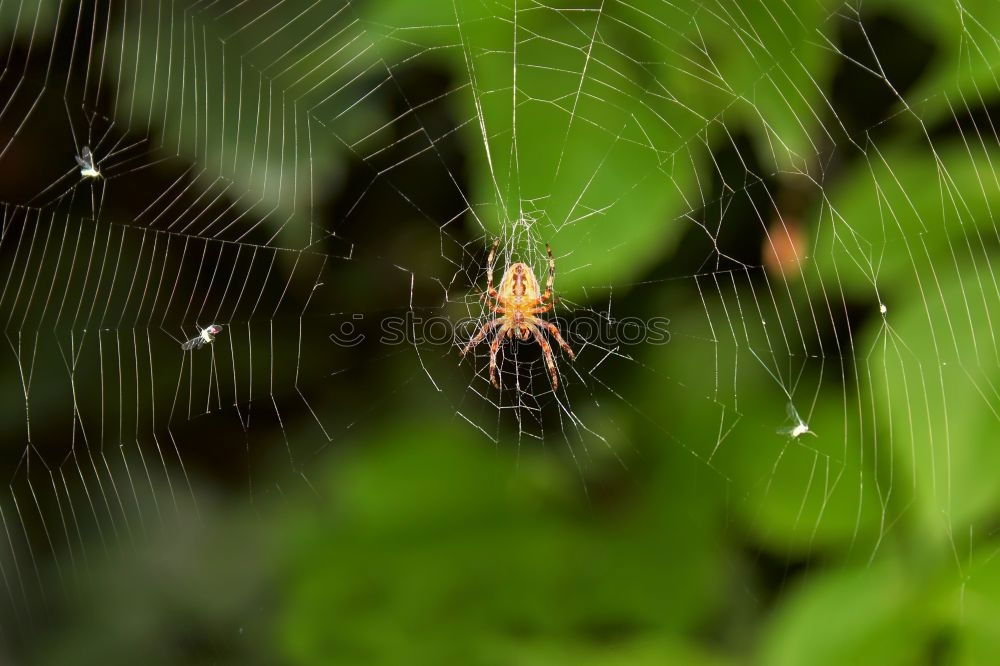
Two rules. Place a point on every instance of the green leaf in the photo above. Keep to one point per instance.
(903, 214)
(775, 63)
(934, 373)
(583, 152)
(577, 133)
(33, 20)
(649, 652)
(263, 118)
(434, 550)
(964, 71)
(816, 491)
(977, 608)
(874, 615)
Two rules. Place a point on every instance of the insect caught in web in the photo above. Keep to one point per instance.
(518, 300)
(88, 167)
(206, 336)
(798, 428)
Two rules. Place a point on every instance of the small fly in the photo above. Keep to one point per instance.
(206, 337)
(799, 426)
(88, 168)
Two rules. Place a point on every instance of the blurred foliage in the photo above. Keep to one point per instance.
(512, 566)
(870, 543)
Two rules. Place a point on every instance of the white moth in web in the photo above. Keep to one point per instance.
(798, 427)
(206, 336)
(88, 168)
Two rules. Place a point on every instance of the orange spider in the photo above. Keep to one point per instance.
(518, 300)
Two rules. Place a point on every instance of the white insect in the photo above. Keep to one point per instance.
(205, 337)
(798, 427)
(88, 168)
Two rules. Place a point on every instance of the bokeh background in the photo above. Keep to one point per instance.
(824, 169)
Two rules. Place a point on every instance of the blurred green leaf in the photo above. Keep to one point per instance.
(792, 495)
(31, 20)
(655, 652)
(977, 600)
(937, 369)
(504, 567)
(813, 492)
(250, 109)
(775, 63)
(876, 615)
(965, 69)
(586, 151)
(896, 219)
(572, 140)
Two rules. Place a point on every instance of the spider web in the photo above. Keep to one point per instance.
(258, 162)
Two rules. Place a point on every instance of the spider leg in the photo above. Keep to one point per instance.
(494, 347)
(554, 332)
(547, 294)
(546, 353)
(481, 334)
(490, 291)
(539, 309)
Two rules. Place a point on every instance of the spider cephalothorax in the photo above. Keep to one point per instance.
(518, 300)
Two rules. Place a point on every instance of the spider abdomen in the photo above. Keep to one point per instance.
(519, 286)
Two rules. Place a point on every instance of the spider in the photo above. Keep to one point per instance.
(518, 300)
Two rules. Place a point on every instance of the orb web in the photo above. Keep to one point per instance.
(331, 176)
